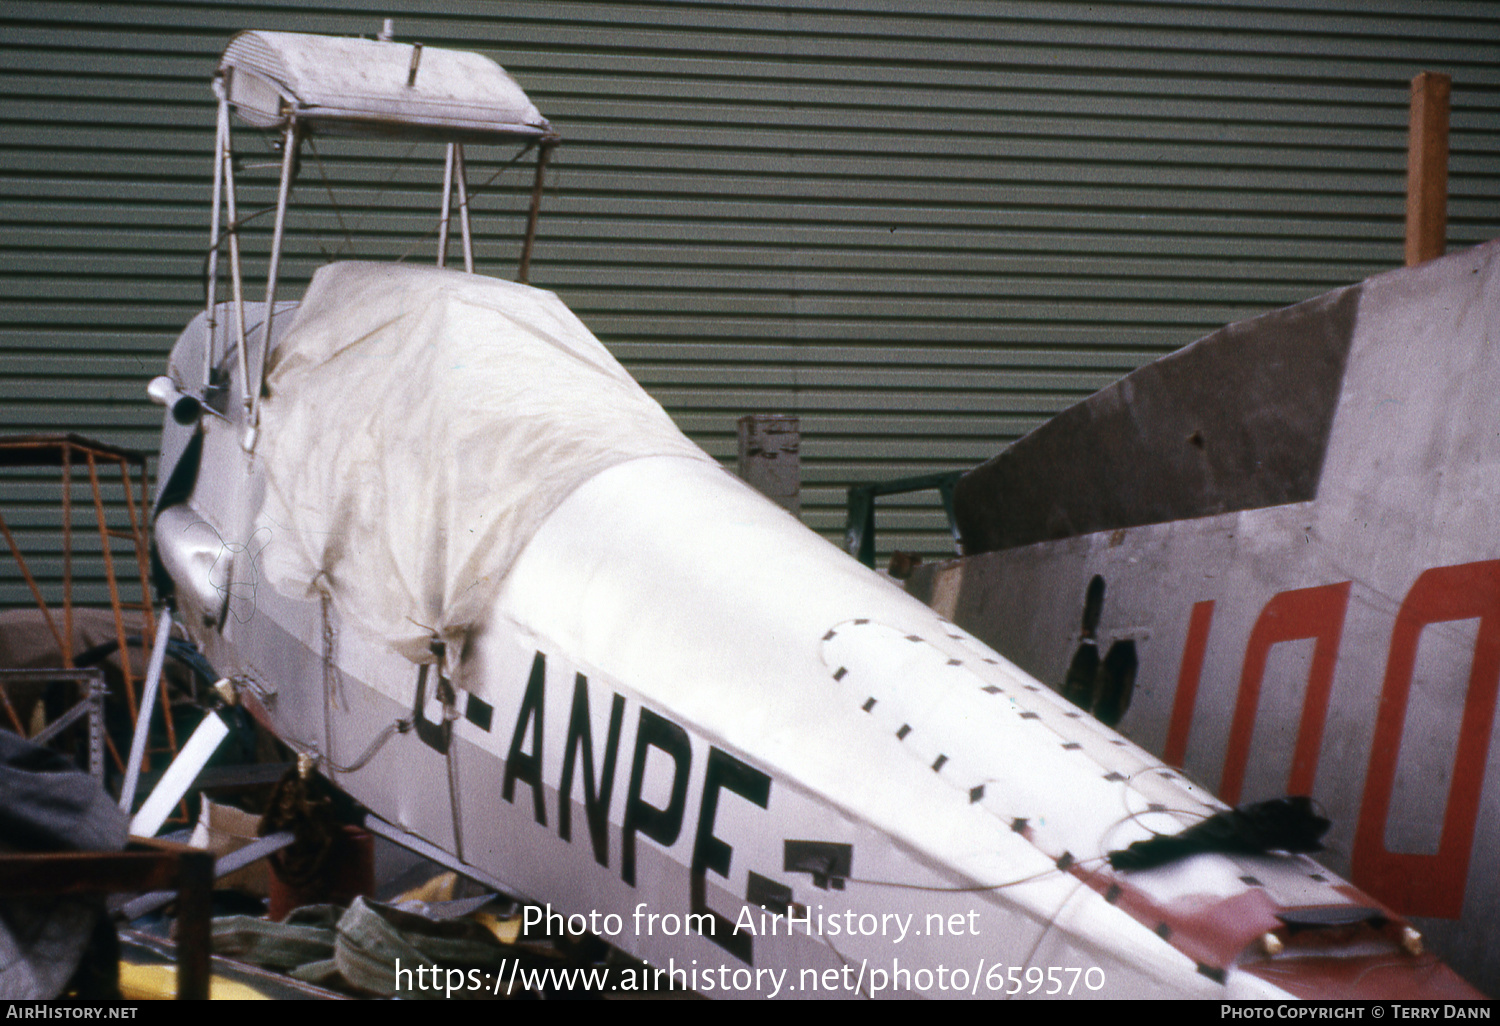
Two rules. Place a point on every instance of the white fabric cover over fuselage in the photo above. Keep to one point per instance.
(421, 424)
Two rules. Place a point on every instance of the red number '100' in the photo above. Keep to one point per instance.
(1427, 885)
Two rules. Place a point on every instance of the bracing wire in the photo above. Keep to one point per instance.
(333, 202)
(474, 194)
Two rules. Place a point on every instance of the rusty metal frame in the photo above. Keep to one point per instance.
(63, 451)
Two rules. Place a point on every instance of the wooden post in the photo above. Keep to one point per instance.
(1427, 169)
(770, 460)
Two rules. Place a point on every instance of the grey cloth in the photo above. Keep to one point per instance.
(46, 804)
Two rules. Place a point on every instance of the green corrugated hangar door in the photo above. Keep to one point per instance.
(920, 227)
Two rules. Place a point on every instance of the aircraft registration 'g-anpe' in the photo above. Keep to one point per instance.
(1276, 546)
(445, 546)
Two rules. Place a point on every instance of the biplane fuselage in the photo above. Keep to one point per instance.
(652, 700)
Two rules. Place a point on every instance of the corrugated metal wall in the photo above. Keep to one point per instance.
(921, 226)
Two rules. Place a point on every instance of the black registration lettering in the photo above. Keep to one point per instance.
(661, 825)
(523, 766)
(595, 795)
(709, 852)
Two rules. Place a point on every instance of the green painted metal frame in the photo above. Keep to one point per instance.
(859, 530)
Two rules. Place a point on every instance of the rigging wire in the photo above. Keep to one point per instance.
(333, 202)
(233, 228)
(473, 194)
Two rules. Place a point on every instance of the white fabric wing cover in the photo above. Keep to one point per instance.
(421, 424)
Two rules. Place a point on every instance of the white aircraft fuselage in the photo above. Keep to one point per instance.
(444, 546)
(740, 755)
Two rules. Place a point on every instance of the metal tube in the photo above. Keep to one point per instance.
(67, 511)
(536, 206)
(235, 860)
(143, 721)
(213, 240)
(416, 62)
(138, 539)
(10, 711)
(442, 259)
(180, 776)
(111, 580)
(138, 534)
(463, 206)
(235, 276)
(62, 723)
(36, 593)
(428, 850)
(291, 143)
(96, 728)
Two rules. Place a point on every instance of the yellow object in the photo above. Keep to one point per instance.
(442, 888)
(439, 888)
(507, 930)
(159, 983)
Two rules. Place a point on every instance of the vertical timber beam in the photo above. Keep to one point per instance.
(195, 887)
(1427, 169)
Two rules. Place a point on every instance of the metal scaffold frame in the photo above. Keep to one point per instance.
(67, 451)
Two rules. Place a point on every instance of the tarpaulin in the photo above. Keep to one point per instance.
(421, 424)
